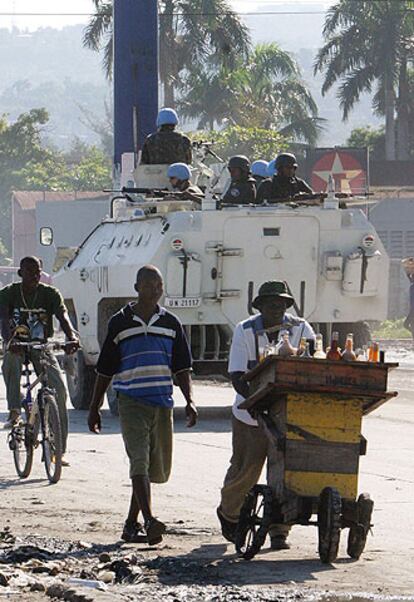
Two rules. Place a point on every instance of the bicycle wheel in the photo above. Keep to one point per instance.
(21, 442)
(51, 439)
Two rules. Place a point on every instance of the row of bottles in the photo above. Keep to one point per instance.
(284, 348)
(367, 354)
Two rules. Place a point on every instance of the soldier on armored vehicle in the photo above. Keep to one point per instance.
(242, 189)
(166, 146)
(179, 175)
(284, 184)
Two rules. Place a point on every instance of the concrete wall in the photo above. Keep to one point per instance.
(23, 240)
(391, 173)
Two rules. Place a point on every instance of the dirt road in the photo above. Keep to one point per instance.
(90, 502)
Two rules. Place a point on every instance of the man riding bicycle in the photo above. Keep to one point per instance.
(26, 312)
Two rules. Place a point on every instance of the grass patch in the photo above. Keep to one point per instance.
(391, 329)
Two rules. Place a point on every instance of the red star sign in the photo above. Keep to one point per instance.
(345, 169)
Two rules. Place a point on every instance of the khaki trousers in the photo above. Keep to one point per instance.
(250, 446)
(12, 373)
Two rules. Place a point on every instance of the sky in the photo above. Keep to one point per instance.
(85, 6)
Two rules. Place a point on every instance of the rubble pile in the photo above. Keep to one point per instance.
(80, 571)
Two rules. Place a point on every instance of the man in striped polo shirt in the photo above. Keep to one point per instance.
(145, 346)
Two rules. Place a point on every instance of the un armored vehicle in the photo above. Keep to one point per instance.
(213, 260)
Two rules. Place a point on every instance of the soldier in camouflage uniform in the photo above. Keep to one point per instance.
(242, 189)
(284, 184)
(166, 146)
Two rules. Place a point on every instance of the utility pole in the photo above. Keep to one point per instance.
(135, 74)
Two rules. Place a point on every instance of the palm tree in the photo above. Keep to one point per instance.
(99, 34)
(265, 91)
(191, 32)
(370, 42)
(208, 97)
(275, 97)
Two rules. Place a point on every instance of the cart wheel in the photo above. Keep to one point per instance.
(358, 533)
(254, 521)
(329, 524)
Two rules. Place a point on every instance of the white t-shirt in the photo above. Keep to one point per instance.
(243, 349)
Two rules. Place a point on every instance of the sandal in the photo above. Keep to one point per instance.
(133, 533)
(155, 530)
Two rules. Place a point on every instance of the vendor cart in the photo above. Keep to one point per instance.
(311, 411)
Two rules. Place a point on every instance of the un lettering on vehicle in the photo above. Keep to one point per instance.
(182, 302)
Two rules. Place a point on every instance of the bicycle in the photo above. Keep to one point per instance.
(41, 417)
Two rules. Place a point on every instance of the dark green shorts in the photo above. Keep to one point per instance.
(148, 435)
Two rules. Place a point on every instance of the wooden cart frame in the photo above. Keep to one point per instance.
(311, 411)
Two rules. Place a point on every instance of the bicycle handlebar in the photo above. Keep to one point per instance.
(39, 346)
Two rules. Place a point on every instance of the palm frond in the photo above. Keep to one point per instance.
(304, 128)
(353, 86)
(98, 25)
(108, 57)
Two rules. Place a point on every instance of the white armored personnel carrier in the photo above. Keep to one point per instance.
(213, 261)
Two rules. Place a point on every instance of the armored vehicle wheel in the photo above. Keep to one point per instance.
(80, 379)
(361, 331)
(358, 533)
(254, 522)
(362, 334)
(329, 524)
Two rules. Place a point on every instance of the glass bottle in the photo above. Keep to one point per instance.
(306, 355)
(319, 352)
(334, 352)
(302, 346)
(363, 354)
(348, 353)
(285, 348)
(373, 354)
(269, 350)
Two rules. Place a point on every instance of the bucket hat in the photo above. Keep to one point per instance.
(273, 288)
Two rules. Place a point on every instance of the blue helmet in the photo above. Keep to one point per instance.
(271, 168)
(259, 168)
(167, 117)
(181, 171)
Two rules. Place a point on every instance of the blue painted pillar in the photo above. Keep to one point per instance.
(135, 73)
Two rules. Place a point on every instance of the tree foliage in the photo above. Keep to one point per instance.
(368, 45)
(191, 33)
(27, 164)
(206, 58)
(91, 172)
(102, 127)
(373, 139)
(256, 143)
(265, 91)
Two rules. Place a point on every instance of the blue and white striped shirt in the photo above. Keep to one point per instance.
(141, 358)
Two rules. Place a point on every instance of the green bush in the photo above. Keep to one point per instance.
(256, 143)
(392, 329)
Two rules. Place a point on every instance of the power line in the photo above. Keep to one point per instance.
(255, 13)
(177, 14)
(49, 15)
